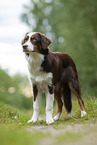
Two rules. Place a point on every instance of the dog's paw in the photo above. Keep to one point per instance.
(57, 116)
(32, 120)
(29, 121)
(83, 113)
(49, 121)
(70, 113)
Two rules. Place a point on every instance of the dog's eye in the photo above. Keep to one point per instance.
(26, 38)
(33, 39)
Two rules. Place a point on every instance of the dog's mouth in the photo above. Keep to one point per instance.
(27, 51)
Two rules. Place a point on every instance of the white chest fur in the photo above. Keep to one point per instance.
(38, 76)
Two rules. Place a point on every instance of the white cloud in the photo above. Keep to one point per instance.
(10, 3)
(12, 58)
(10, 24)
(12, 8)
(12, 31)
(17, 30)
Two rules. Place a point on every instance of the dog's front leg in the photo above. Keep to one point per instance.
(36, 107)
(49, 108)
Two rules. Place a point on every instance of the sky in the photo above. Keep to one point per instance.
(12, 31)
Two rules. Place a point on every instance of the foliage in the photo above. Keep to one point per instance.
(10, 90)
(15, 130)
(11, 115)
(72, 25)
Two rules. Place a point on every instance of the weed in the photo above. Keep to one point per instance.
(15, 130)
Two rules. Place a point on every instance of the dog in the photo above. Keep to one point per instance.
(54, 73)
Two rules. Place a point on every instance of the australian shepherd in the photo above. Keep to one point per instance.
(53, 73)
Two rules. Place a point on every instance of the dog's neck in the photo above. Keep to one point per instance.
(34, 57)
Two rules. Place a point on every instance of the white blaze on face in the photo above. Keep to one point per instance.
(28, 43)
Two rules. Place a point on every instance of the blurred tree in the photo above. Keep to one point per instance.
(72, 25)
(10, 90)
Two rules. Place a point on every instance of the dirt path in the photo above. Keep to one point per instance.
(79, 134)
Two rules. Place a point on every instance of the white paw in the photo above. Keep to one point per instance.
(57, 116)
(49, 121)
(83, 113)
(32, 120)
(29, 121)
(70, 113)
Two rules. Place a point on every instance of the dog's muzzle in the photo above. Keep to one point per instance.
(25, 48)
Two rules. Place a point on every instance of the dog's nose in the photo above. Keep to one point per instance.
(25, 46)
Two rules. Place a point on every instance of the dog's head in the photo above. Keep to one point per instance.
(35, 42)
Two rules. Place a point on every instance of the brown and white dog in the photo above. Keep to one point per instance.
(53, 73)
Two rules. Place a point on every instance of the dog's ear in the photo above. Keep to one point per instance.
(45, 41)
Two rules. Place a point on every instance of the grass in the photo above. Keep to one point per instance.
(68, 130)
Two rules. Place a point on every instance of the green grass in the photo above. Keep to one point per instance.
(15, 130)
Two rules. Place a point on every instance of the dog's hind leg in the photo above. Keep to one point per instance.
(76, 89)
(67, 99)
(57, 97)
